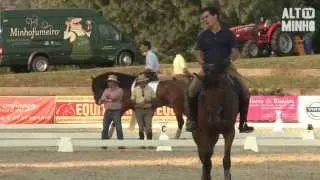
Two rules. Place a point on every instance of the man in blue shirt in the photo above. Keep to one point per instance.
(152, 63)
(215, 45)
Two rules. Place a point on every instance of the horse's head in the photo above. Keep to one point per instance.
(215, 76)
(99, 83)
(216, 86)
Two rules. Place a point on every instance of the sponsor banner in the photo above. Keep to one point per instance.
(82, 109)
(27, 109)
(309, 109)
(263, 108)
(77, 109)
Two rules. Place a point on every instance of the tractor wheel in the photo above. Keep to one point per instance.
(282, 43)
(250, 49)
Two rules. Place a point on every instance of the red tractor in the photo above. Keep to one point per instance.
(263, 39)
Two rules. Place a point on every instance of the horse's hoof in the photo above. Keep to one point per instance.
(104, 147)
(178, 134)
(227, 175)
(206, 178)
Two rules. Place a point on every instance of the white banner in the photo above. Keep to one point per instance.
(309, 109)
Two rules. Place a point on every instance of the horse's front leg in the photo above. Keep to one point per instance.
(228, 140)
(205, 151)
(178, 111)
(205, 154)
(180, 122)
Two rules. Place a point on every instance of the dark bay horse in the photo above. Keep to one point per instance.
(218, 106)
(169, 93)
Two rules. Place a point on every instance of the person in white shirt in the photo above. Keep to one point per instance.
(181, 73)
(152, 67)
(180, 69)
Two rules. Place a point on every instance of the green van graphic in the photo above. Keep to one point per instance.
(78, 35)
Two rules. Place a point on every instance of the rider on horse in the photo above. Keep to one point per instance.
(181, 73)
(152, 63)
(180, 69)
(216, 45)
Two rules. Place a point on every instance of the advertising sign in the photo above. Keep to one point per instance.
(82, 109)
(309, 109)
(263, 108)
(26, 109)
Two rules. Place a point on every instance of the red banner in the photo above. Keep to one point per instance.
(27, 109)
(263, 108)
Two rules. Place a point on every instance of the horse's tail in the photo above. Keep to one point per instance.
(132, 122)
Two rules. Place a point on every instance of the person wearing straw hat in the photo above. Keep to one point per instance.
(143, 96)
(111, 98)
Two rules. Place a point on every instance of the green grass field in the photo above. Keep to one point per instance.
(285, 74)
(290, 62)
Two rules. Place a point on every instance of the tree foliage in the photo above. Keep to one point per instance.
(170, 25)
(235, 12)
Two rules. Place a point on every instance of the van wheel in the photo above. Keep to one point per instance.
(125, 59)
(40, 64)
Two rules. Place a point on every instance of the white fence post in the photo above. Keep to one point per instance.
(278, 126)
(164, 137)
(250, 143)
(65, 145)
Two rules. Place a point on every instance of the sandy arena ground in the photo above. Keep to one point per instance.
(135, 164)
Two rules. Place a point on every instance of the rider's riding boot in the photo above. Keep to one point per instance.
(244, 128)
(191, 123)
(141, 135)
(244, 100)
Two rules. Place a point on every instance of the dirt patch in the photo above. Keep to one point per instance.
(272, 163)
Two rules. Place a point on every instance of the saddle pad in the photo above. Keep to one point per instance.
(154, 85)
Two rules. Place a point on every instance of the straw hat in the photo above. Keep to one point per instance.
(142, 78)
(76, 20)
(113, 78)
